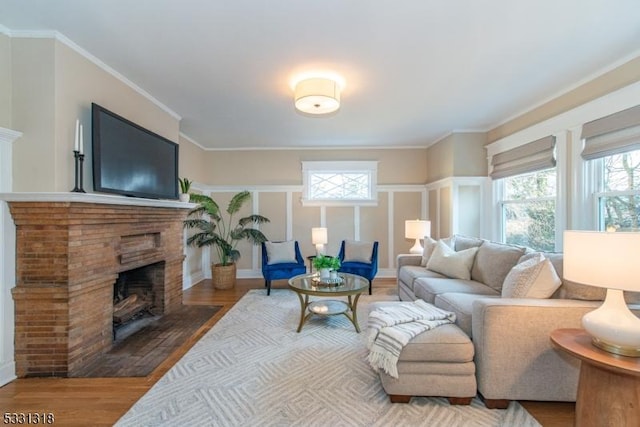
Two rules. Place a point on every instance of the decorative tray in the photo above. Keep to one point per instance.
(335, 282)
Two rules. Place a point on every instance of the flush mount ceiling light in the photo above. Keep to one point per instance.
(317, 95)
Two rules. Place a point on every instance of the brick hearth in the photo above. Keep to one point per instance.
(68, 257)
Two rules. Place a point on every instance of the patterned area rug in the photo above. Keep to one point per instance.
(252, 368)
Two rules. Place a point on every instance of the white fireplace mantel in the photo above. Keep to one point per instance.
(106, 199)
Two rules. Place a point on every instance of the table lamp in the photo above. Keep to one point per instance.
(319, 238)
(612, 261)
(417, 229)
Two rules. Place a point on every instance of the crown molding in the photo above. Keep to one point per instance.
(92, 58)
(9, 135)
(568, 89)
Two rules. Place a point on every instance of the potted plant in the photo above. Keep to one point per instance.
(185, 186)
(223, 234)
(325, 265)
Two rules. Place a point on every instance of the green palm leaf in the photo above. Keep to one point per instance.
(212, 229)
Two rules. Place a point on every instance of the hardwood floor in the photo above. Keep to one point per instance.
(102, 401)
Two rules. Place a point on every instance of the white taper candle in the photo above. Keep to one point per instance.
(75, 147)
(81, 141)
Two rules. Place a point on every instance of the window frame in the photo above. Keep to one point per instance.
(367, 167)
(595, 169)
(561, 154)
(502, 202)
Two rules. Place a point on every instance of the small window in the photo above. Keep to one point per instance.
(346, 183)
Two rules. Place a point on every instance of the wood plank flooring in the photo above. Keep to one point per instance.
(102, 401)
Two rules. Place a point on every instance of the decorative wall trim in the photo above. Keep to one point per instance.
(455, 214)
(7, 259)
(255, 272)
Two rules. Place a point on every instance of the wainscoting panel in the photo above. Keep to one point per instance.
(292, 221)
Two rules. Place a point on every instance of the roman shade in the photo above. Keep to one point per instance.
(613, 134)
(531, 157)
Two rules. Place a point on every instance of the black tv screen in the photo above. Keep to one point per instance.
(130, 160)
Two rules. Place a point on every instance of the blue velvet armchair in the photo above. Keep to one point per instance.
(281, 270)
(354, 261)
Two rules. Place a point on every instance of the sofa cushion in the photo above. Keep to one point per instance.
(463, 242)
(461, 305)
(457, 265)
(430, 245)
(446, 343)
(409, 273)
(533, 278)
(493, 262)
(427, 288)
(569, 289)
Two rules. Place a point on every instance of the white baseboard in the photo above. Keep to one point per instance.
(7, 372)
(192, 279)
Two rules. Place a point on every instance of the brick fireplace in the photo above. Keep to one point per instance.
(68, 257)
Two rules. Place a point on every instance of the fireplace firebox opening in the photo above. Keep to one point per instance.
(135, 295)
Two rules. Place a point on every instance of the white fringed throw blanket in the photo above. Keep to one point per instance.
(391, 327)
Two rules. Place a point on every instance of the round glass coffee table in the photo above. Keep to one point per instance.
(349, 285)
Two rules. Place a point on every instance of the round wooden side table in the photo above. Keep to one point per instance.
(609, 384)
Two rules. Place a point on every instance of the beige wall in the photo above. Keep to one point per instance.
(5, 81)
(33, 114)
(283, 167)
(440, 159)
(459, 154)
(469, 154)
(52, 87)
(615, 79)
(193, 162)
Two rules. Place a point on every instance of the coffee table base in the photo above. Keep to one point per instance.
(327, 307)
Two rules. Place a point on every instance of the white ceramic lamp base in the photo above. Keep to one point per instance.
(416, 248)
(613, 327)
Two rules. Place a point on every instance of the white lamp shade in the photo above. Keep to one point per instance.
(603, 259)
(417, 229)
(317, 95)
(607, 260)
(319, 236)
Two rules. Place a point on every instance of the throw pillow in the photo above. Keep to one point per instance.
(457, 265)
(357, 251)
(430, 245)
(533, 278)
(280, 252)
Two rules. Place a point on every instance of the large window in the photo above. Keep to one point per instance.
(339, 183)
(618, 191)
(528, 208)
(526, 182)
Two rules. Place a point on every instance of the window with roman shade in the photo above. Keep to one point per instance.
(613, 134)
(530, 157)
(611, 147)
(525, 183)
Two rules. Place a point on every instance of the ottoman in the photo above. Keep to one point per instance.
(438, 362)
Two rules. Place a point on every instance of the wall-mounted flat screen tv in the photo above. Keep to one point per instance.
(131, 160)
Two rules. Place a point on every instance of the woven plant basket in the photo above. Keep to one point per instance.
(223, 276)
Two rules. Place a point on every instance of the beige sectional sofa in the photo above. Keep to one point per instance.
(513, 354)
